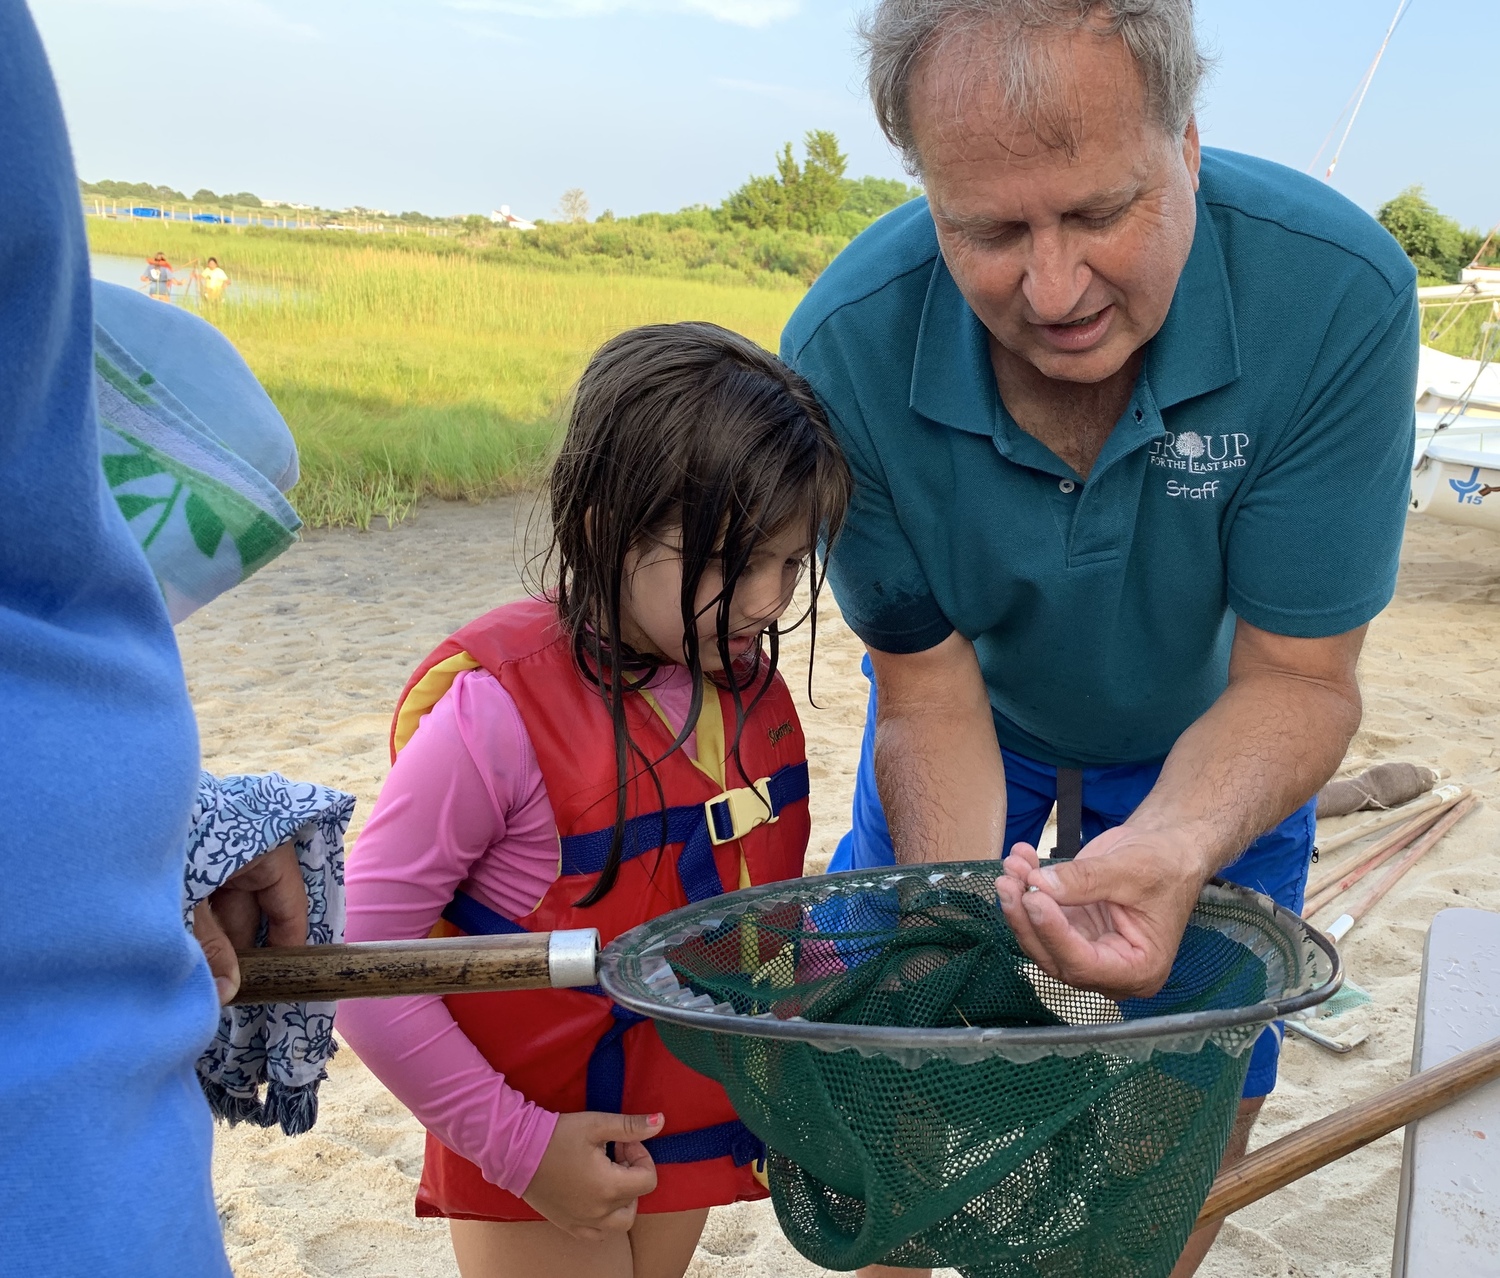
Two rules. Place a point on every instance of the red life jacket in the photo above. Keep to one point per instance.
(571, 1050)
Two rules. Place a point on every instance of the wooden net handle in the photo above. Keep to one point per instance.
(1318, 1144)
(446, 965)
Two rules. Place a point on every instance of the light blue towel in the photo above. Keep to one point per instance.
(208, 377)
(205, 516)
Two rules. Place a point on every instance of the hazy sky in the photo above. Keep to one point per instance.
(452, 106)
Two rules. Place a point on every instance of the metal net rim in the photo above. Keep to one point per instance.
(634, 972)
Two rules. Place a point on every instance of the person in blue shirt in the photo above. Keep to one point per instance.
(1131, 426)
(158, 278)
(106, 1001)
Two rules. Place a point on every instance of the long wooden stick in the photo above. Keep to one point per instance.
(1389, 817)
(1318, 1144)
(446, 965)
(1415, 817)
(1367, 862)
(1373, 894)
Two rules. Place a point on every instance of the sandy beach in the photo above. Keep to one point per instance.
(297, 670)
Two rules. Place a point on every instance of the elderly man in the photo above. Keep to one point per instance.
(1131, 426)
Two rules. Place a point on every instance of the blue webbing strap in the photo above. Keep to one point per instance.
(724, 1140)
(604, 1091)
(687, 825)
(699, 875)
(605, 1094)
(473, 919)
(605, 1080)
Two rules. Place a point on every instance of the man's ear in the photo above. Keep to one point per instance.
(1192, 149)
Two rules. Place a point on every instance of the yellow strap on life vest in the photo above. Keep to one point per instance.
(711, 746)
(429, 690)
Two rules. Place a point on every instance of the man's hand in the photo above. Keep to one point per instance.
(271, 887)
(1110, 920)
(579, 1189)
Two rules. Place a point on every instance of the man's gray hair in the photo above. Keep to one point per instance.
(899, 34)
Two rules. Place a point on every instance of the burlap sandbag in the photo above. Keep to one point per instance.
(1386, 785)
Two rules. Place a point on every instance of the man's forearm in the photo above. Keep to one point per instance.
(937, 763)
(1262, 750)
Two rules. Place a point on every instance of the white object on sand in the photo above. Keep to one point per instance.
(1455, 476)
(1455, 472)
(1448, 1215)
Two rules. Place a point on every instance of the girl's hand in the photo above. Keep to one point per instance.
(579, 1189)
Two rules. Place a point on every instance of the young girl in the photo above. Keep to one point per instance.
(593, 759)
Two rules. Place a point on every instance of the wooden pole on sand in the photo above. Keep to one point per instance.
(1324, 888)
(1381, 821)
(1373, 894)
(1318, 1144)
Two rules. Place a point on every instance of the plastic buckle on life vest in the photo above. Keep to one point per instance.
(733, 814)
(759, 1170)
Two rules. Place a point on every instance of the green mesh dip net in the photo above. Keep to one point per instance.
(931, 1098)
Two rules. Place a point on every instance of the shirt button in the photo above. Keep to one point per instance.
(1067, 485)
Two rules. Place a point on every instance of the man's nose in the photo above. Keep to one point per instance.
(1056, 277)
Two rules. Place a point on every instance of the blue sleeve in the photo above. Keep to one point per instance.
(876, 575)
(1314, 547)
(105, 1001)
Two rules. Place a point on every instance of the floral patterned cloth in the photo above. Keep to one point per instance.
(284, 1047)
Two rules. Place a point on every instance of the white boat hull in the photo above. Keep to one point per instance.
(1457, 485)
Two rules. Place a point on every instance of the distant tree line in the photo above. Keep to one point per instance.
(813, 196)
(1438, 246)
(144, 191)
(776, 228)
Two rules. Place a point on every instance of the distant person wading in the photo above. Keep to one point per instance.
(213, 280)
(158, 278)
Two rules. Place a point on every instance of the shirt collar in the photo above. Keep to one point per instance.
(1195, 352)
(1197, 349)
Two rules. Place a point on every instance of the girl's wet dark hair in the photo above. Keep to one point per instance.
(691, 427)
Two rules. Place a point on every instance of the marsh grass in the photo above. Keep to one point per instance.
(406, 373)
(1462, 333)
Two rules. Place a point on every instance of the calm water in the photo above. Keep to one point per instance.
(114, 269)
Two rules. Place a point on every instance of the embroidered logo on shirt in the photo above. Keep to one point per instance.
(780, 732)
(1193, 456)
(1203, 492)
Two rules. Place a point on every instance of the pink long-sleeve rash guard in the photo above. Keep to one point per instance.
(464, 807)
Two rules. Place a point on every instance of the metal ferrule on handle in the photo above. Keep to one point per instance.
(444, 965)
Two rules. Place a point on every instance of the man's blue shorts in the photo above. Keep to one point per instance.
(1276, 863)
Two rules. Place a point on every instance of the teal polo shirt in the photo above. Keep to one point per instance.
(1261, 469)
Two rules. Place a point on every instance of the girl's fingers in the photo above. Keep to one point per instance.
(631, 1153)
(629, 1183)
(619, 1220)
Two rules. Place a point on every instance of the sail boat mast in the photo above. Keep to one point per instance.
(1364, 87)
